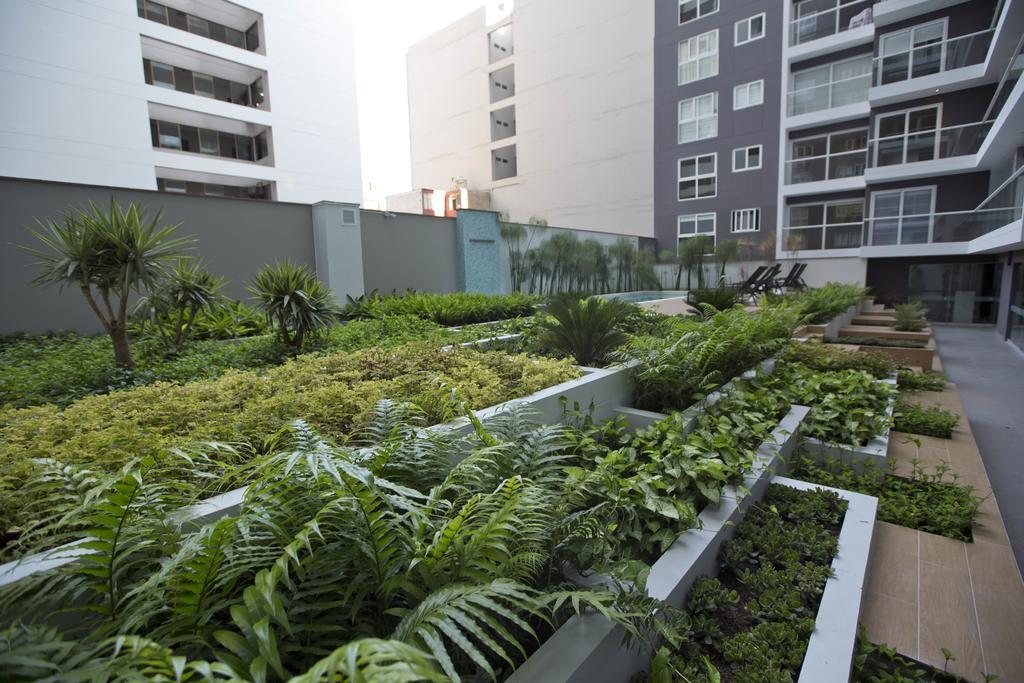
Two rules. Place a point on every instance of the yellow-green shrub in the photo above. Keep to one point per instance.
(331, 392)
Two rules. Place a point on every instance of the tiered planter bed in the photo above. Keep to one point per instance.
(874, 452)
(923, 357)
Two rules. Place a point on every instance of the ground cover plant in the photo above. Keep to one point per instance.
(913, 418)
(878, 663)
(821, 304)
(636, 493)
(753, 620)
(934, 502)
(332, 392)
(911, 317)
(376, 561)
(880, 341)
(460, 308)
(818, 356)
(690, 359)
(921, 381)
(63, 368)
(586, 329)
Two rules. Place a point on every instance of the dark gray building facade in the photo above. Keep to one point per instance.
(717, 89)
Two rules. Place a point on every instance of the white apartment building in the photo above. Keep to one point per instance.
(547, 104)
(255, 99)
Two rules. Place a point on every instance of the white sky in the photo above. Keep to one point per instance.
(384, 30)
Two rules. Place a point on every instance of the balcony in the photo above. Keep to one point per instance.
(840, 88)
(822, 237)
(922, 56)
(837, 93)
(830, 162)
(844, 17)
(924, 153)
(937, 228)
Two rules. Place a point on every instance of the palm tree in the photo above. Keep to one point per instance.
(725, 251)
(108, 255)
(186, 290)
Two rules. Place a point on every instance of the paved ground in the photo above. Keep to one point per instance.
(990, 378)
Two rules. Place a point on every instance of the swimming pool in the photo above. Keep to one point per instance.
(638, 297)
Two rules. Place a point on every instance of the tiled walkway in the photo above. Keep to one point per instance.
(927, 592)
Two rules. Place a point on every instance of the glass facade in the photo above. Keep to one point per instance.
(956, 292)
(205, 141)
(195, 83)
(1015, 333)
(213, 189)
(248, 39)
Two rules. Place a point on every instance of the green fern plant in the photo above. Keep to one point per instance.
(586, 329)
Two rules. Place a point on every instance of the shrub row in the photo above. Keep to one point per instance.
(821, 304)
(460, 308)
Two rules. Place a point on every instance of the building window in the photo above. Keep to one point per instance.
(698, 57)
(830, 85)
(154, 11)
(503, 83)
(695, 9)
(698, 177)
(750, 29)
(904, 137)
(747, 158)
(902, 216)
(258, 191)
(194, 83)
(745, 220)
(748, 95)
(698, 117)
(503, 123)
(843, 154)
(503, 163)
(204, 141)
(913, 52)
(825, 225)
(499, 44)
(695, 225)
(815, 19)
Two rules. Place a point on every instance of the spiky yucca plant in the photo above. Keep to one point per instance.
(586, 329)
(294, 300)
(185, 291)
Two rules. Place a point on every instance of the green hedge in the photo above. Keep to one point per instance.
(61, 369)
(461, 308)
(821, 304)
(330, 391)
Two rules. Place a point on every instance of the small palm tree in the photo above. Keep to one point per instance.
(587, 329)
(186, 290)
(294, 300)
(108, 255)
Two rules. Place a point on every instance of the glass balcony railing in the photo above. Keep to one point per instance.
(835, 93)
(826, 167)
(932, 228)
(928, 145)
(843, 17)
(830, 236)
(927, 56)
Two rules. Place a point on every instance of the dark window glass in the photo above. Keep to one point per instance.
(222, 89)
(204, 85)
(209, 142)
(261, 145)
(183, 80)
(140, 5)
(256, 96)
(252, 37)
(243, 146)
(163, 75)
(194, 188)
(178, 19)
(198, 26)
(176, 186)
(153, 133)
(189, 139)
(169, 135)
(146, 71)
(156, 12)
(217, 32)
(227, 145)
(239, 93)
(213, 190)
(234, 37)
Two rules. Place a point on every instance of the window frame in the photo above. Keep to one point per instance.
(696, 119)
(696, 178)
(901, 191)
(696, 40)
(746, 87)
(829, 153)
(906, 134)
(736, 42)
(824, 225)
(746, 155)
(753, 215)
(699, 14)
(697, 217)
(831, 83)
(910, 50)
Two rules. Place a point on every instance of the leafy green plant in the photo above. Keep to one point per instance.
(586, 329)
(108, 255)
(880, 341)
(929, 421)
(935, 502)
(460, 308)
(294, 301)
(820, 305)
(911, 317)
(921, 381)
(720, 299)
(184, 292)
(822, 357)
(847, 406)
(882, 664)
(338, 563)
(332, 391)
(689, 360)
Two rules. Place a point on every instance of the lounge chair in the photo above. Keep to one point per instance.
(794, 279)
(767, 280)
(743, 288)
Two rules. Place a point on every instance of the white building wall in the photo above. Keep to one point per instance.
(584, 112)
(76, 103)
